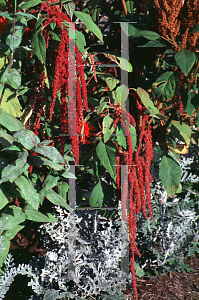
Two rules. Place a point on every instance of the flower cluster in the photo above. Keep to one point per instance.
(3, 24)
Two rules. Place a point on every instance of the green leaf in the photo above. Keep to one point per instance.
(27, 138)
(164, 86)
(120, 95)
(106, 155)
(10, 103)
(54, 198)
(102, 107)
(14, 170)
(121, 137)
(147, 34)
(144, 97)
(50, 181)
(80, 41)
(185, 59)
(125, 64)
(38, 161)
(170, 174)
(92, 101)
(107, 128)
(63, 189)
(88, 22)
(181, 131)
(10, 234)
(28, 191)
(14, 79)
(50, 152)
(9, 122)
(70, 9)
(4, 251)
(36, 216)
(11, 217)
(39, 45)
(195, 29)
(97, 196)
(31, 3)
(3, 199)
(13, 41)
(111, 82)
(129, 6)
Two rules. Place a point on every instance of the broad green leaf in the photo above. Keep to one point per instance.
(10, 234)
(10, 103)
(54, 198)
(63, 189)
(4, 251)
(144, 97)
(9, 16)
(28, 191)
(11, 217)
(67, 174)
(14, 170)
(164, 87)
(12, 148)
(88, 22)
(80, 40)
(185, 59)
(39, 45)
(50, 181)
(132, 30)
(92, 101)
(125, 64)
(39, 161)
(181, 131)
(102, 107)
(170, 174)
(120, 95)
(121, 137)
(97, 196)
(13, 41)
(36, 216)
(154, 111)
(31, 3)
(3, 199)
(70, 9)
(111, 82)
(190, 101)
(147, 34)
(9, 122)
(129, 6)
(106, 155)
(13, 79)
(50, 152)
(108, 127)
(195, 29)
(27, 138)
(144, 43)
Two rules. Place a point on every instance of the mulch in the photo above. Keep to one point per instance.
(170, 286)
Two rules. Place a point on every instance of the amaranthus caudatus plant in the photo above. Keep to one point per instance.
(57, 71)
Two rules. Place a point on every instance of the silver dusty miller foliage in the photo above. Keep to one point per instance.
(176, 221)
(83, 258)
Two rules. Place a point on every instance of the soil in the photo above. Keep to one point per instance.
(170, 286)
